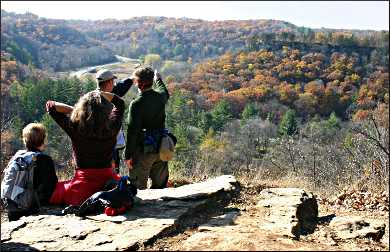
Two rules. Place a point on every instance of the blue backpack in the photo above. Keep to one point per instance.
(18, 184)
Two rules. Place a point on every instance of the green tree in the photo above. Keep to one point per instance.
(205, 121)
(333, 121)
(16, 128)
(249, 111)
(288, 124)
(179, 110)
(59, 145)
(89, 85)
(31, 95)
(221, 115)
(20, 53)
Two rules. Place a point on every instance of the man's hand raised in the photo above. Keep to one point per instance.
(157, 76)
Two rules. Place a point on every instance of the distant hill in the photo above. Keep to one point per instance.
(199, 39)
(49, 44)
(67, 44)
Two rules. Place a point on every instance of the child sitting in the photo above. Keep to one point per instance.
(29, 178)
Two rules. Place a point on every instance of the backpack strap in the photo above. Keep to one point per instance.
(27, 158)
(30, 184)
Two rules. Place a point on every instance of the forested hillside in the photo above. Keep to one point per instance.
(256, 98)
(184, 38)
(66, 44)
(49, 44)
(310, 81)
(286, 112)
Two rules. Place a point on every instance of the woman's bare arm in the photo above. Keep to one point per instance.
(63, 108)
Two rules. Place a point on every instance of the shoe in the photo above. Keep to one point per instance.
(70, 210)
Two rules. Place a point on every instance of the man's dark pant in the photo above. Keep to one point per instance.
(149, 165)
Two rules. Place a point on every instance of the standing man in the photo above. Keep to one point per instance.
(105, 82)
(146, 122)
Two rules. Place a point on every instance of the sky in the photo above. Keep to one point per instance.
(373, 15)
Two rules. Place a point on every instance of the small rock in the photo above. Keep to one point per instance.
(352, 227)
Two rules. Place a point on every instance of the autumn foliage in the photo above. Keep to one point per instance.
(309, 82)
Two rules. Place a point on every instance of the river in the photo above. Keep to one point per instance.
(93, 69)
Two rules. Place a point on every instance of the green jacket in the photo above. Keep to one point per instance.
(147, 111)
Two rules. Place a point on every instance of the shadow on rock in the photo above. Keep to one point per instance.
(16, 246)
(325, 219)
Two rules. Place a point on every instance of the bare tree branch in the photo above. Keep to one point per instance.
(368, 136)
(275, 164)
(6, 122)
(376, 127)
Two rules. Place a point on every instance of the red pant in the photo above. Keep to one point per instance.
(84, 183)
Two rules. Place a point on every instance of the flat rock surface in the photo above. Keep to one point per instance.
(288, 211)
(242, 231)
(243, 227)
(155, 212)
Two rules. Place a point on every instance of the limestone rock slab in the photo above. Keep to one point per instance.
(155, 212)
(191, 191)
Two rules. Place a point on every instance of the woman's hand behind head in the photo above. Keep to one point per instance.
(50, 104)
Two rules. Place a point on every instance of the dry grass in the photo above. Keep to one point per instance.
(256, 179)
(65, 174)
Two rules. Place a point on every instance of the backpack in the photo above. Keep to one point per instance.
(18, 184)
(160, 141)
(115, 199)
(167, 146)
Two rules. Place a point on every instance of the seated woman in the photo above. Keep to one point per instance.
(92, 127)
(44, 176)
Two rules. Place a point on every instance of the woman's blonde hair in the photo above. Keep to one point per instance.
(90, 115)
(34, 135)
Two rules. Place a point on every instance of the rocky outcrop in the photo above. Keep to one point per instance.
(156, 212)
(161, 219)
(270, 225)
(289, 211)
(352, 227)
(281, 214)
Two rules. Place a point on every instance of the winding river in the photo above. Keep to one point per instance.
(92, 69)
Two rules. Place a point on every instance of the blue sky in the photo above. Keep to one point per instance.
(314, 14)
